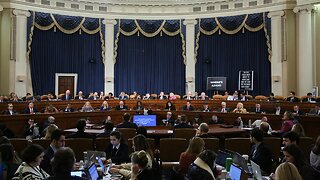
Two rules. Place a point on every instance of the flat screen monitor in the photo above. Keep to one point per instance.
(93, 172)
(145, 120)
(235, 172)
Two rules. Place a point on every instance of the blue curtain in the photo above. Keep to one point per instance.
(149, 65)
(56, 52)
(225, 55)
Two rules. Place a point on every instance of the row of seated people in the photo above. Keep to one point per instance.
(13, 97)
(87, 107)
(190, 165)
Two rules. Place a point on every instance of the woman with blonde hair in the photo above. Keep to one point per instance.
(298, 128)
(240, 109)
(287, 171)
(195, 147)
(50, 129)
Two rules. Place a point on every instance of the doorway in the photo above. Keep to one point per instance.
(65, 81)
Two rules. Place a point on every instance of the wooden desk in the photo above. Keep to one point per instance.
(17, 123)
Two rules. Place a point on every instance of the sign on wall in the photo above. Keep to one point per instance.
(245, 80)
(217, 83)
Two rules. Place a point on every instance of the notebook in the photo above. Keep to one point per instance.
(257, 171)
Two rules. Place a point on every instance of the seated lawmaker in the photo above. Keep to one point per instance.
(105, 106)
(183, 123)
(68, 108)
(117, 151)
(67, 96)
(81, 126)
(170, 106)
(121, 106)
(162, 96)
(260, 152)
(139, 106)
(315, 110)
(123, 96)
(215, 120)
(80, 96)
(126, 122)
(309, 98)
(30, 109)
(188, 107)
(239, 109)
(10, 110)
(188, 96)
(223, 108)
(169, 119)
(87, 107)
(292, 97)
(203, 130)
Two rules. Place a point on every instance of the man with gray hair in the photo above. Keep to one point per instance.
(223, 108)
(46, 123)
(203, 130)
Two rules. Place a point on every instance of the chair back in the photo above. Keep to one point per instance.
(171, 148)
(240, 145)
(150, 141)
(45, 143)
(184, 133)
(261, 98)
(79, 145)
(19, 144)
(101, 143)
(127, 133)
(275, 144)
(211, 143)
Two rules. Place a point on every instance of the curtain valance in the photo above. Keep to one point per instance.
(67, 24)
(149, 28)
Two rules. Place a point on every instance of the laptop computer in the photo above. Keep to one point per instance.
(92, 155)
(235, 172)
(257, 172)
(241, 161)
(222, 157)
(93, 172)
(103, 168)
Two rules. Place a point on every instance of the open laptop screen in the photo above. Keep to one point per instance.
(145, 120)
(235, 172)
(222, 157)
(93, 172)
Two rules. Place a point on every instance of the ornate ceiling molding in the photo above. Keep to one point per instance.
(151, 9)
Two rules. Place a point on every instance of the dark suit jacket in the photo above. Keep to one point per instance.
(146, 174)
(65, 98)
(6, 112)
(306, 99)
(293, 99)
(182, 125)
(127, 125)
(163, 97)
(79, 134)
(263, 157)
(27, 110)
(46, 162)
(121, 155)
(123, 108)
(313, 111)
(191, 108)
(68, 110)
(254, 110)
(77, 98)
(300, 112)
(226, 109)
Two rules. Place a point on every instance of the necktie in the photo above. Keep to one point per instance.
(223, 110)
(113, 152)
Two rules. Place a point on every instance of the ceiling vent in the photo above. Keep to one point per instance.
(225, 6)
(102, 8)
(238, 5)
(253, 3)
(196, 9)
(89, 8)
(210, 8)
(45, 2)
(60, 4)
(75, 6)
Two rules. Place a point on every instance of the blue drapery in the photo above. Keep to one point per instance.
(149, 65)
(225, 55)
(56, 52)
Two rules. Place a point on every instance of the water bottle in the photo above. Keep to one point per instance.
(81, 164)
(249, 123)
(241, 124)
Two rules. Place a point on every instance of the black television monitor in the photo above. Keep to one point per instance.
(145, 120)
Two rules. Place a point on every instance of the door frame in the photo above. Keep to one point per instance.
(75, 75)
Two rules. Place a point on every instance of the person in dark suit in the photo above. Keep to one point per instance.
(30, 109)
(188, 107)
(108, 127)
(292, 97)
(126, 122)
(260, 152)
(169, 119)
(10, 110)
(170, 106)
(139, 160)
(67, 96)
(81, 126)
(80, 96)
(68, 108)
(206, 108)
(315, 110)
(121, 106)
(57, 142)
(203, 130)
(278, 110)
(162, 96)
(223, 108)
(309, 98)
(215, 120)
(117, 151)
(183, 122)
(258, 109)
(188, 96)
(296, 111)
(139, 106)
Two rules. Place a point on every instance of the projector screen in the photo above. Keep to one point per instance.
(145, 120)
